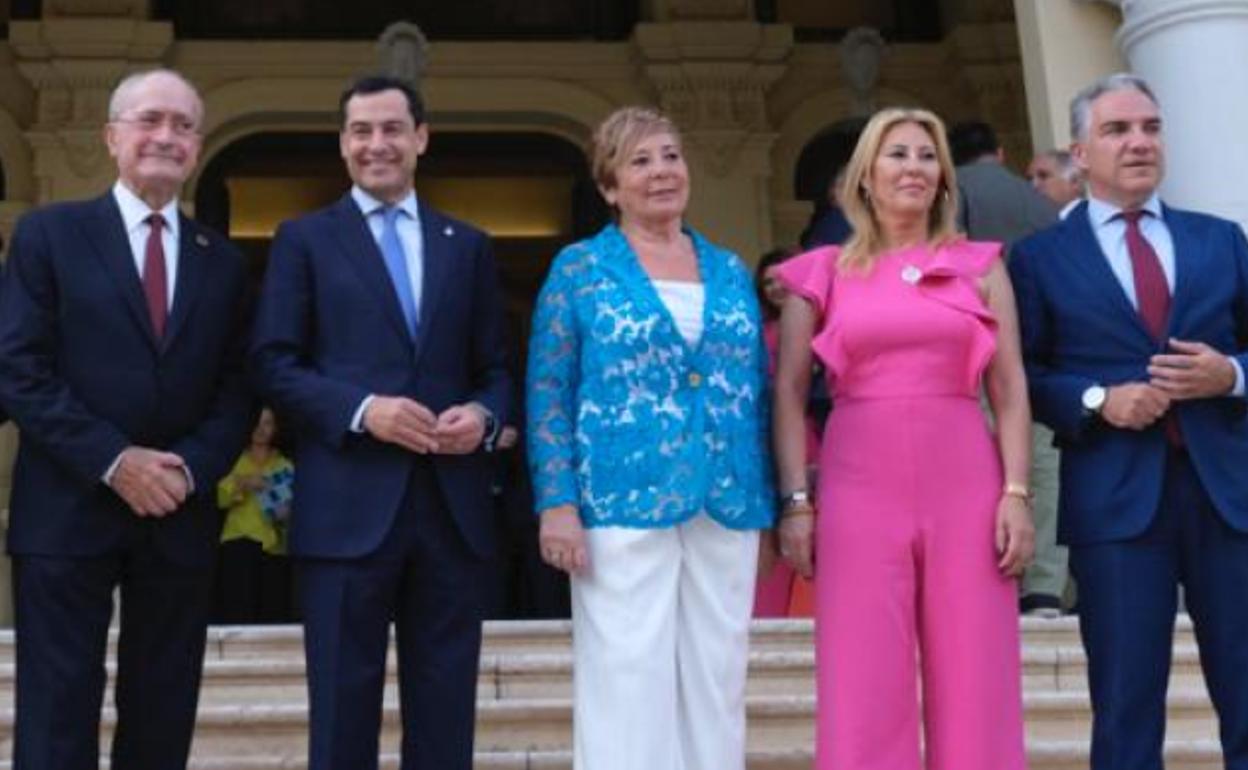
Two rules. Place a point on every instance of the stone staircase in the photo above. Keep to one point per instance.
(253, 709)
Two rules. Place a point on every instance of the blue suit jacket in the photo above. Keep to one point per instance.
(83, 376)
(1079, 329)
(330, 331)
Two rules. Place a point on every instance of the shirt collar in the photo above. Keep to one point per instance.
(368, 204)
(1102, 212)
(134, 211)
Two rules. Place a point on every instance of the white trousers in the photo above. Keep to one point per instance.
(660, 638)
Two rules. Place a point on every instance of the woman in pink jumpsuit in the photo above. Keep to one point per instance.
(922, 519)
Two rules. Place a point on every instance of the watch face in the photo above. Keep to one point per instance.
(1094, 398)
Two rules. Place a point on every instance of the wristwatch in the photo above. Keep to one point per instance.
(1094, 399)
(794, 498)
(490, 435)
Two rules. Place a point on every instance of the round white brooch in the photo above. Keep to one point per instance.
(911, 274)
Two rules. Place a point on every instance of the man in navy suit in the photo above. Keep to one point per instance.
(379, 338)
(1135, 331)
(122, 341)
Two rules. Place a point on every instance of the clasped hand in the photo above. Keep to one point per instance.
(151, 482)
(1191, 370)
(412, 425)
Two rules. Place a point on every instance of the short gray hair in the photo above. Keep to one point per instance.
(1081, 105)
(117, 102)
(1065, 164)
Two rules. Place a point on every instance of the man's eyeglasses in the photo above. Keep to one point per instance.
(150, 122)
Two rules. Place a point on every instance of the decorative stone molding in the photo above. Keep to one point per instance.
(403, 51)
(73, 64)
(862, 53)
(713, 79)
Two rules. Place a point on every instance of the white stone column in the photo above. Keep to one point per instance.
(1065, 44)
(1194, 53)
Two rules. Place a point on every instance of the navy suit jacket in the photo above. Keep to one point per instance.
(83, 377)
(330, 332)
(1080, 329)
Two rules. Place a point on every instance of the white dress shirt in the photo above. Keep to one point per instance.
(1111, 233)
(134, 214)
(408, 225)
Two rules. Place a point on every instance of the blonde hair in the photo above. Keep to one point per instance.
(619, 134)
(867, 241)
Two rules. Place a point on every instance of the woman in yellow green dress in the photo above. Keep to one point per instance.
(253, 578)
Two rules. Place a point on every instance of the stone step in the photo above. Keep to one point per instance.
(1041, 755)
(506, 676)
(544, 724)
(516, 636)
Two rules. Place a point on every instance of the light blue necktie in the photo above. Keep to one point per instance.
(396, 264)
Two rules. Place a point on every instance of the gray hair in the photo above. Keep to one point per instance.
(1081, 105)
(1066, 167)
(120, 97)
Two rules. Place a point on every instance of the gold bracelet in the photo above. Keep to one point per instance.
(1014, 489)
(798, 510)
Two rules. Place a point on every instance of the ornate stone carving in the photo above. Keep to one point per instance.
(713, 79)
(403, 51)
(85, 152)
(862, 52)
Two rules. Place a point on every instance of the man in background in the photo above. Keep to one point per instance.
(1056, 177)
(998, 205)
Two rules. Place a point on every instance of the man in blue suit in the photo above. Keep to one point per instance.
(1135, 330)
(379, 338)
(122, 341)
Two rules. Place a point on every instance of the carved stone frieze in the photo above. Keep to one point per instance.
(862, 53)
(713, 80)
(403, 51)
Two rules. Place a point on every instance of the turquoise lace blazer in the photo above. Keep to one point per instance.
(626, 420)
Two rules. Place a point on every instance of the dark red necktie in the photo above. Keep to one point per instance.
(1152, 297)
(1152, 294)
(155, 286)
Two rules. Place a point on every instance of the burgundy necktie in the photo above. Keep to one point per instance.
(1152, 297)
(155, 287)
(1152, 294)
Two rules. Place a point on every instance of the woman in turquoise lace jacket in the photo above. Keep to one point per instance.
(647, 431)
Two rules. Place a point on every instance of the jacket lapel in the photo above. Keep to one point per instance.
(439, 235)
(106, 232)
(1189, 264)
(192, 250)
(620, 261)
(365, 258)
(1085, 254)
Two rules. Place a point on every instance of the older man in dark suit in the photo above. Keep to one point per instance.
(379, 338)
(122, 330)
(1135, 332)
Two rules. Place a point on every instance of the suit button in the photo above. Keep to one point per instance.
(695, 380)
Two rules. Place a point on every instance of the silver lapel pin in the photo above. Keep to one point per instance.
(201, 240)
(448, 231)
